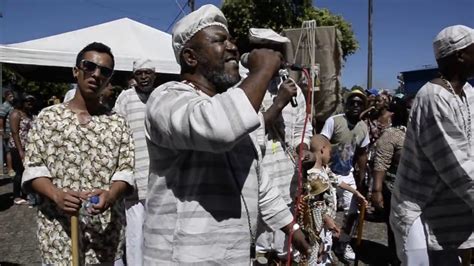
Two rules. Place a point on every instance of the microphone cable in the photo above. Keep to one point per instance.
(309, 102)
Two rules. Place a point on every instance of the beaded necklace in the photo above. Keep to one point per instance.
(466, 121)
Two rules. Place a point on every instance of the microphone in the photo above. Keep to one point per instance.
(283, 73)
(244, 60)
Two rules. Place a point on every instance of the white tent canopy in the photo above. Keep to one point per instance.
(128, 39)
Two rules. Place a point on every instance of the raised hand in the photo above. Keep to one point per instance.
(264, 60)
(286, 91)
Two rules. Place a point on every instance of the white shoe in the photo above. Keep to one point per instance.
(11, 173)
(349, 253)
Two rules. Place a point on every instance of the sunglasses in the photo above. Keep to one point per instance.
(90, 67)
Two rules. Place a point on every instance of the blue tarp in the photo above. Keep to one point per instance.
(415, 79)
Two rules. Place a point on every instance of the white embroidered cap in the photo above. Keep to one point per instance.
(143, 64)
(451, 39)
(262, 36)
(187, 27)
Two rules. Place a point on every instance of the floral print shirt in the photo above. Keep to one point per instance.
(24, 127)
(79, 158)
(388, 152)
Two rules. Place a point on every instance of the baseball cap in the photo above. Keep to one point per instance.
(452, 39)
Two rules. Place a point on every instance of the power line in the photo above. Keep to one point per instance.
(180, 7)
(127, 12)
(177, 16)
(124, 11)
(174, 21)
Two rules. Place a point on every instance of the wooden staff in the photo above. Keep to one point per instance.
(75, 240)
(360, 230)
(466, 257)
(360, 225)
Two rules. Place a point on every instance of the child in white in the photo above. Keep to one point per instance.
(321, 148)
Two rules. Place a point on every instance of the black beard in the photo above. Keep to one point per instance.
(221, 80)
(217, 75)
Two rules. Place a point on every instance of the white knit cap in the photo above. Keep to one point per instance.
(263, 36)
(187, 27)
(451, 39)
(143, 64)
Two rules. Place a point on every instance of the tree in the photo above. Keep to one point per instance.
(42, 90)
(279, 14)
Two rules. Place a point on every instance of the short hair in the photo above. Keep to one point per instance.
(97, 47)
(319, 141)
(400, 112)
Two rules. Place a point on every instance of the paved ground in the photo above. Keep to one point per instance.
(18, 243)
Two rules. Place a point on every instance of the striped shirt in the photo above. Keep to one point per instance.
(435, 176)
(286, 133)
(204, 170)
(132, 106)
(5, 110)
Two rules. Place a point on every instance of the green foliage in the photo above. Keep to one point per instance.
(324, 17)
(7, 75)
(43, 90)
(280, 14)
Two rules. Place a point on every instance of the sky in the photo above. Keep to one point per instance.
(403, 30)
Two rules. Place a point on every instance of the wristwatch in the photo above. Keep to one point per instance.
(295, 227)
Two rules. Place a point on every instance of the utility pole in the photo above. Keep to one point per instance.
(191, 5)
(1, 99)
(369, 57)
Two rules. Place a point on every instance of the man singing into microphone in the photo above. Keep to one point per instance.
(206, 186)
(284, 124)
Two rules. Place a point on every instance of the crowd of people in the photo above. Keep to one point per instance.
(205, 170)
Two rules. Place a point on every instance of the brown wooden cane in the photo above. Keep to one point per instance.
(360, 225)
(466, 257)
(360, 230)
(75, 240)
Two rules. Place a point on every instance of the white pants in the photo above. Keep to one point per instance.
(345, 197)
(134, 233)
(326, 236)
(268, 241)
(272, 241)
(414, 251)
(118, 262)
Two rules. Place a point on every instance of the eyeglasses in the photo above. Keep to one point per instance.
(90, 67)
